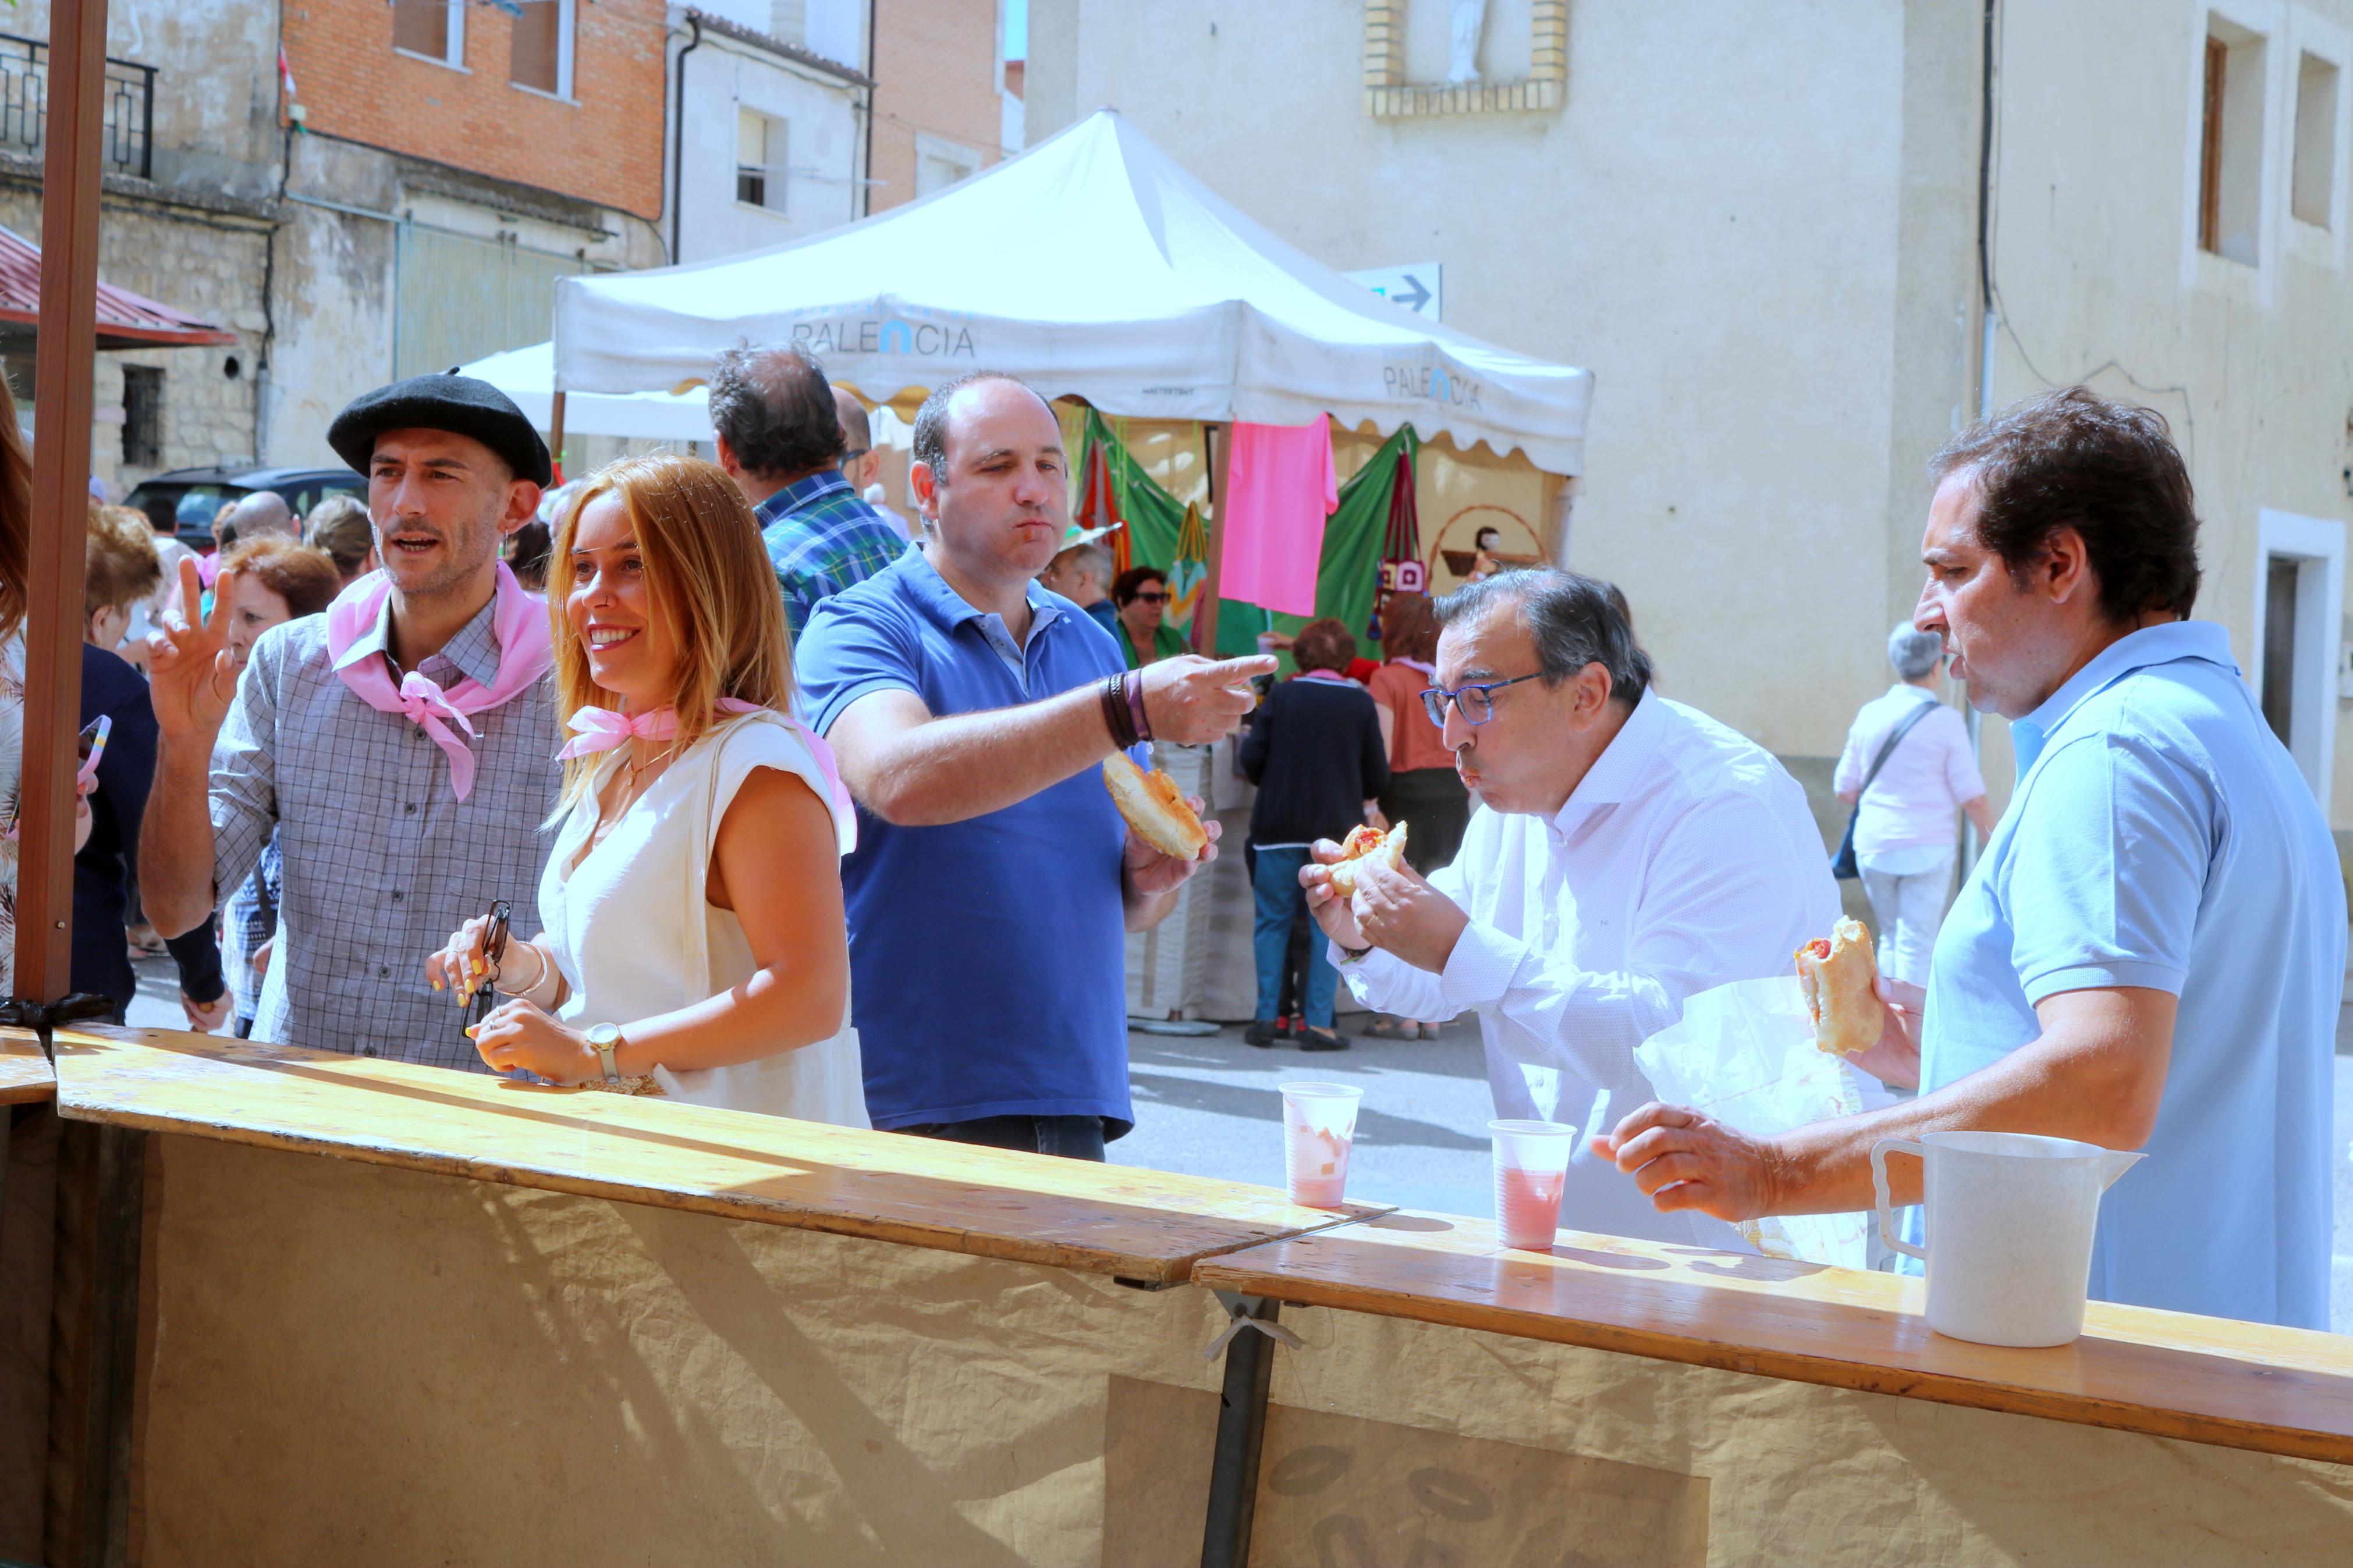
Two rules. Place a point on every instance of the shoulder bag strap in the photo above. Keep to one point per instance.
(1887, 747)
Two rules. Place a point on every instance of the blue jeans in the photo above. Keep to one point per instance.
(1280, 901)
(1071, 1137)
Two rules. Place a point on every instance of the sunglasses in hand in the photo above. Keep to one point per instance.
(494, 948)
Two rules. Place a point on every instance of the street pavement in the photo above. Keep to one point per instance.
(1208, 1105)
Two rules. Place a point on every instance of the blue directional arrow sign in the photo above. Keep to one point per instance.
(1418, 286)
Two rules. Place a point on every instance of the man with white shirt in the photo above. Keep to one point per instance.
(1633, 853)
(1906, 767)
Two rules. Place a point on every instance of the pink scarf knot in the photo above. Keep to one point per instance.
(598, 730)
(519, 622)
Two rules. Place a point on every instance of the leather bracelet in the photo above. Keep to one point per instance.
(1136, 706)
(1116, 717)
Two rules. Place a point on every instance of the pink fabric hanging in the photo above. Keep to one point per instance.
(1281, 490)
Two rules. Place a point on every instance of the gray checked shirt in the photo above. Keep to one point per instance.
(382, 861)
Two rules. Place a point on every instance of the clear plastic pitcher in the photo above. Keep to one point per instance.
(2010, 1224)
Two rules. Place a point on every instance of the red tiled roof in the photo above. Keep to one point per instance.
(124, 319)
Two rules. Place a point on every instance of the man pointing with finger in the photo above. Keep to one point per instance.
(994, 880)
(1631, 853)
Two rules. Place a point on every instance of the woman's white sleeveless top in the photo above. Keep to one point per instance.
(635, 937)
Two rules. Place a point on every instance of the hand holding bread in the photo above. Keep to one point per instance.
(1366, 845)
(1154, 808)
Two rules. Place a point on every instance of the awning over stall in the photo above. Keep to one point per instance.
(1093, 265)
(125, 320)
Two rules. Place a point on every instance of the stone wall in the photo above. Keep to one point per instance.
(207, 264)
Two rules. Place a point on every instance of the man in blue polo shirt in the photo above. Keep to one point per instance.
(2151, 951)
(994, 880)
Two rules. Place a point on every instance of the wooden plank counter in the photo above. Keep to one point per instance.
(2243, 1385)
(1147, 1225)
(1675, 1407)
(25, 1074)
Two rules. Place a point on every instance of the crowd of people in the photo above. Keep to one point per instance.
(761, 805)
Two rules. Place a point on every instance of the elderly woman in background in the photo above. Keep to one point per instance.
(1904, 829)
(1315, 750)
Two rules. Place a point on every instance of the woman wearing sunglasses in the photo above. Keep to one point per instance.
(695, 933)
(1141, 596)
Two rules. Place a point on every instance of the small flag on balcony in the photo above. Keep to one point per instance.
(286, 80)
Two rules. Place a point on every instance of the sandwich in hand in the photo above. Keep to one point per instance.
(1837, 976)
(1365, 845)
(1154, 808)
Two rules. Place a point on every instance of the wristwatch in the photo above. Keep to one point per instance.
(606, 1039)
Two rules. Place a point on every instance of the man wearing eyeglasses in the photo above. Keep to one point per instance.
(1632, 852)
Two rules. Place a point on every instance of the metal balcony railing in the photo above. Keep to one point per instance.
(128, 146)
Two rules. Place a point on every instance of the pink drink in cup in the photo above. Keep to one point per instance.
(1319, 1127)
(1531, 1169)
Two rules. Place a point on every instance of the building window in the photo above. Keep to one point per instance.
(759, 161)
(2312, 181)
(435, 29)
(2231, 148)
(142, 416)
(940, 164)
(541, 56)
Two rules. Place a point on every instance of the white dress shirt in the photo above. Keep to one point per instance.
(1685, 859)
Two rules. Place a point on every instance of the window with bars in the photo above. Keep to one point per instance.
(142, 416)
(760, 147)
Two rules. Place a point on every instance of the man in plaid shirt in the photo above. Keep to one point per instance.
(780, 438)
(386, 849)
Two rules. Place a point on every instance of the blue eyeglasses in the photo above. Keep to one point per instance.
(1474, 702)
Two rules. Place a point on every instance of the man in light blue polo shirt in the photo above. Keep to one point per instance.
(994, 880)
(2151, 951)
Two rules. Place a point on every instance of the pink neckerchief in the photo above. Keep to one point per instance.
(601, 730)
(519, 622)
(1426, 671)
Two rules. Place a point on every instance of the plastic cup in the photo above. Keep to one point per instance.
(1319, 1127)
(1531, 1168)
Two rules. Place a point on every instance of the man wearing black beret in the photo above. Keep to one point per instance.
(401, 747)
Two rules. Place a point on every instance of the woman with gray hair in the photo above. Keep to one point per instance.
(1904, 793)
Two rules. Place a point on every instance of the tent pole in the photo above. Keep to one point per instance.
(63, 369)
(1220, 439)
(555, 432)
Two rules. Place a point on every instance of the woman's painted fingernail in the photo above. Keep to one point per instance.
(472, 1030)
(437, 983)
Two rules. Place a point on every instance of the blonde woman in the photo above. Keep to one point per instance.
(695, 932)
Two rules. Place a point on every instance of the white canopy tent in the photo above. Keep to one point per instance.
(528, 375)
(1092, 265)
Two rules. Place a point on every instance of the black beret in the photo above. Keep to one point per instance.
(457, 403)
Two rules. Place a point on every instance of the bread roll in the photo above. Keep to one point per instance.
(1836, 976)
(1154, 808)
(1364, 845)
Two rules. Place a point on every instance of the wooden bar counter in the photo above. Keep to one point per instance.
(1674, 1404)
(391, 1314)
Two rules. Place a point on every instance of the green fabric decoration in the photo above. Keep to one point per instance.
(1346, 578)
